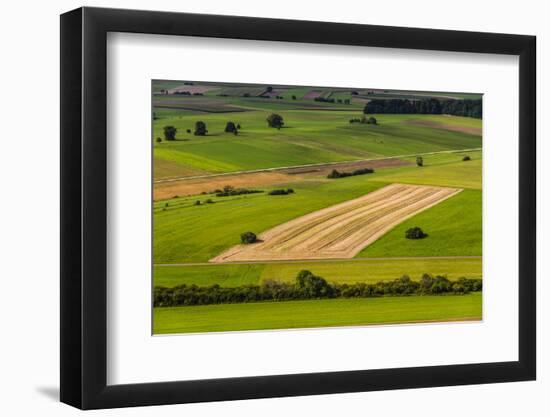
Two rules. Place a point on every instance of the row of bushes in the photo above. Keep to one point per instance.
(309, 286)
(187, 93)
(281, 191)
(228, 191)
(337, 174)
(364, 120)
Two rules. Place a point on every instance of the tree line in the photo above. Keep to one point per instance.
(467, 108)
(309, 286)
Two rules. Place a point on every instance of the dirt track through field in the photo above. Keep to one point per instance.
(342, 230)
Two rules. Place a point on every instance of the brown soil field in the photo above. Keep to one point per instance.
(343, 230)
(462, 129)
(193, 186)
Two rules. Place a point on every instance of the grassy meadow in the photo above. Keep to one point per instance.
(191, 228)
(316, 313)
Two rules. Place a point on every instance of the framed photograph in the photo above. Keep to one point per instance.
(257, 208)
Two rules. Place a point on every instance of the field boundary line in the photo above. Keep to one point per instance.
(321, 164)
(298, 261)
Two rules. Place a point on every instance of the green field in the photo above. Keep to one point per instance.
(316, 313)
(346, 271)
(309, 136)
(454, 230)
(186, 236)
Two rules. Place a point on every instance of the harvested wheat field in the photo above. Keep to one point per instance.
(342, 230)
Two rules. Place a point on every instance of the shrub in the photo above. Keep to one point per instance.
(188, 130)
(159, 140)
(293, 97)
(419, 161)
(197, 203)
(238, 126)
(209, 201)
(230, 127)
(275, 120)
(466, 158)
(415, 233)
(200, 129)
(248, 238)
(312, 286)
(170, 132)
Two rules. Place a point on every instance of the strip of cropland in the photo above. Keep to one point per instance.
(316, 313)
(341, 271)
(342, 230)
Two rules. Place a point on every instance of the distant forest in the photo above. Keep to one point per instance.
(467, 108)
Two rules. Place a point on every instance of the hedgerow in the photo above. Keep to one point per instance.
(308, 286)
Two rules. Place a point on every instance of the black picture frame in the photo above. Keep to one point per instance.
(84, 207)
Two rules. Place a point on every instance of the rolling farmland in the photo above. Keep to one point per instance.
(348, 231)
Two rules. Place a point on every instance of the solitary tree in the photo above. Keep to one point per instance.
(275, 120)
(293, 97)
(248, 238)
(170, 132)
(200, 129)
(466, 158)
(373, 121)
(415, 233)
(230, 127)
(159, 139)
(238, 126)
(419, 161)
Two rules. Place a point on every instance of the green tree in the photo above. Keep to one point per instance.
(200, 129)
(248, 238)
(275, 120)
(419, 161)
(170, 132)
(230, 127)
